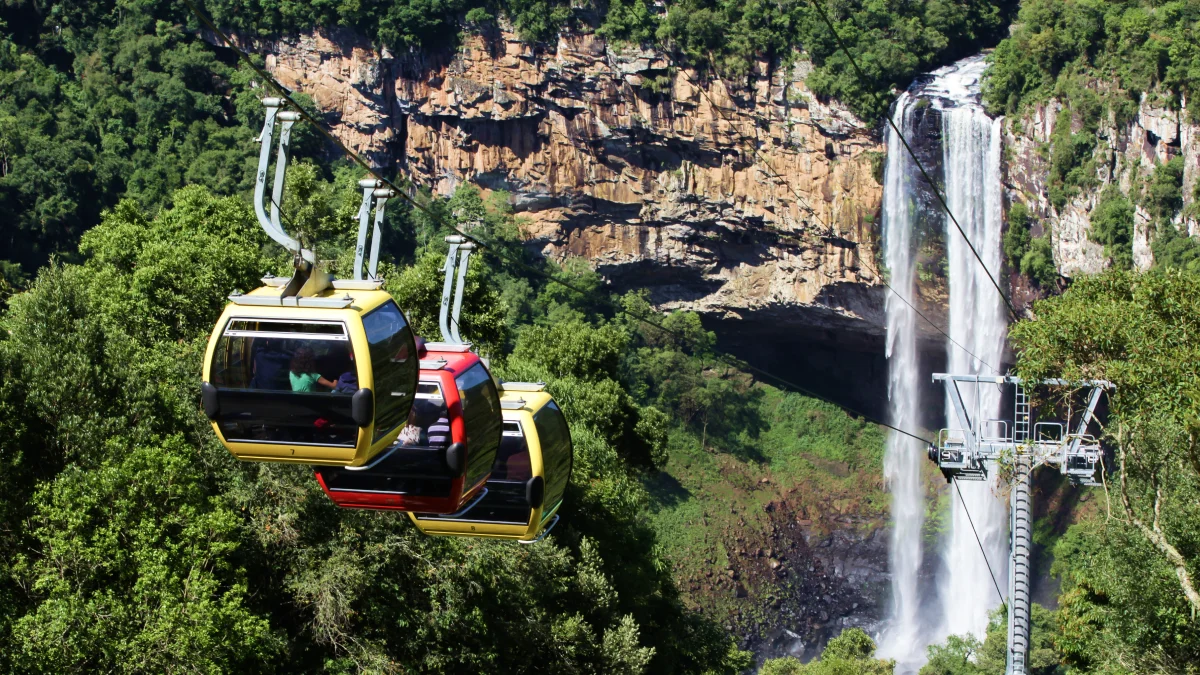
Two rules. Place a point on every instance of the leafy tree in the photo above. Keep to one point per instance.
(674, 369)
(418, 289)
(1071, 163)
(957, 656)
(140, 567)
(107, 109)
(892, 42)
(1136, 568)
(1174, 248)
(1038, 262)
(1164, 192)
(965, 655)
(850, 653)
(631, 21)
(1032, 257)
(1139, 45)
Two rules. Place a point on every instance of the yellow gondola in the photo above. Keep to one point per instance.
(310, 369)
(328, 379)
(530, 474)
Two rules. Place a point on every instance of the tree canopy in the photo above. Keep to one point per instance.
(1130, 577)
(149, 546)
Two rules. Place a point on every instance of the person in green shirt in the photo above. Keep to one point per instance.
(303, 373)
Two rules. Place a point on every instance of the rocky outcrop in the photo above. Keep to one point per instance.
(662, 177)
(1126, 154)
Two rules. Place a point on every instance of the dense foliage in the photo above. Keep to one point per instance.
(850, 653)
(1129, 46)
(892, 41)
(1033, 257)
(146, 544)
(1130, 600)
(1112, 226)
(966, 655)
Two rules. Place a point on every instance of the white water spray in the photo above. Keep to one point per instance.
(903, 456)
(971, 170)
(971, 142)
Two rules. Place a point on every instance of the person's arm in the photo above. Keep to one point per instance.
(326, 383)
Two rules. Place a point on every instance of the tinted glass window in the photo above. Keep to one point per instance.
(429, 420)
(269, 377)
(555, 438)
(503, 504)
(481, 420)
(394, 365)
(404, 470)
(512, 460)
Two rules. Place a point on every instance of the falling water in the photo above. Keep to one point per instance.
(971, 156)
(903, 455)
(970, 163)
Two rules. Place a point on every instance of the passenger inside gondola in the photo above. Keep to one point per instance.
(271, 364)
(296, 362)
(347, 382)
(303, 374)
(512, 459)
(428, 420)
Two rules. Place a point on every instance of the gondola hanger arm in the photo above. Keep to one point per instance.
(271, 224)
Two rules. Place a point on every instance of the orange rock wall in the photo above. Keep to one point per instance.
(662, 177)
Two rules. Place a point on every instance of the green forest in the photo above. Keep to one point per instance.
(132, 541)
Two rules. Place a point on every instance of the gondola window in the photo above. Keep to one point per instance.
(252, 362)
(395, 365)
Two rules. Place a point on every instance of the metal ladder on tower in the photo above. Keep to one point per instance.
(1022, 537)
(1021, 419)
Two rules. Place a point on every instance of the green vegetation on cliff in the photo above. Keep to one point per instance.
(103, 100)
(1033, 257)
(1128, 47)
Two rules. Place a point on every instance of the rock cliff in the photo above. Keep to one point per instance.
(662, 177)
(1126, 154)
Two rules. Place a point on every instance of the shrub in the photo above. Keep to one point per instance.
(1112, 226)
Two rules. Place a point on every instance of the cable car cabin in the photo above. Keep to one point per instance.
(528, 479)
(444, 456)
(328, 379)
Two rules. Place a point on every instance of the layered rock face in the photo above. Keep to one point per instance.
(1125, 154)
(736, 202)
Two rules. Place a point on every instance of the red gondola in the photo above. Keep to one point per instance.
(444, 456)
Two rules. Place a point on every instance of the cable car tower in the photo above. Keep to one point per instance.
(967, 452)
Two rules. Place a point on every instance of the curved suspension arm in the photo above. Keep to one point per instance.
(382, 195)
(372, 190)
(444, 314)
(368, 186)
(465, 248)
(271, 224)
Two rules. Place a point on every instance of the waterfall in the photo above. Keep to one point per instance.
(902, 458)
(971, 151)
(942, 108)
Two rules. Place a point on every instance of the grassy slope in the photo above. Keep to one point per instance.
(736, 527)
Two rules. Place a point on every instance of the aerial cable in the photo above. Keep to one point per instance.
(285, 95)
(724, 357)
(829, 234)
(497, 251)
(932, 186)
(979, 542)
